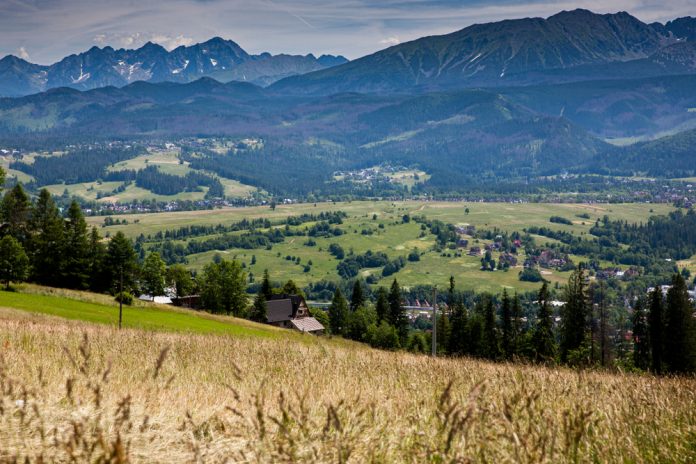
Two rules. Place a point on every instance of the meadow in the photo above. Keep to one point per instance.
(82, 392)
(389, 234)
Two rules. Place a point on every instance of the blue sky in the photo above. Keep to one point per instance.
(44, 31)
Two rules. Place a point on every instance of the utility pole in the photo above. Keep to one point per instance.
(434, 306)
(120, 299)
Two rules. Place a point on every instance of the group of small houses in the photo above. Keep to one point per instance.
(286, 311)
(545, 258)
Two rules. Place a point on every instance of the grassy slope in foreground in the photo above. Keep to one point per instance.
(184, 397)
(102, 309)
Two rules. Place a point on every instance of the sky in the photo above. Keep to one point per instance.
(44, 31)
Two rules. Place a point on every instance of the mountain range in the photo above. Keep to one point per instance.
(569, 46)
(221, 59)
(513, 99)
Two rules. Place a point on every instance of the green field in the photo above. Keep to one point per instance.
(395, 238)
(102, 309)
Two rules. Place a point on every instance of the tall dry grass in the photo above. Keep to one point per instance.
(82, 393)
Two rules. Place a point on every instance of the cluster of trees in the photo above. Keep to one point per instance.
(382, 325)
(44, 246)
(161, 183)
(664, 332)
(351, 265)
(84, 164)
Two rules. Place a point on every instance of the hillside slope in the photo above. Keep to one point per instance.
(142, 396)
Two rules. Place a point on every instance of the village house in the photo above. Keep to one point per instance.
(292, 312)
(509, 259)
(474, 251)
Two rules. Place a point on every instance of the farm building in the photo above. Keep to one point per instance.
(292, 312)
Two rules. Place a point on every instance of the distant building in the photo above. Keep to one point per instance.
(292, 312)
(474, 251)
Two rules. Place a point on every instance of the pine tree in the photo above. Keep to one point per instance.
(656, 323)
(680, 342)
(641, 339)
(266, 286)
(459, 334)
(121, 261)
(516, 326)
(76, 249)
(543, 342)
(444, 332)
(46, 242)
(259, 312)
(153, 274)
(357, 299)
(16, 213)
(97, 260)
(508, 336)
(397, 315)
(490, 345)
(338, 311)
(575, 315)
(382, 305)
(14, 264)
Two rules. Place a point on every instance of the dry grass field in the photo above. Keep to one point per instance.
(76, 392)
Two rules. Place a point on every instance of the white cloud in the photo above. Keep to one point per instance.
(390, 41)
(22, 53)
(171, 43)
(138, 39)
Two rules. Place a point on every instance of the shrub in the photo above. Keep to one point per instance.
(531, 275)
(561, 220)
(124, 297)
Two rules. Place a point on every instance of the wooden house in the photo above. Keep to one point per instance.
(292, 312)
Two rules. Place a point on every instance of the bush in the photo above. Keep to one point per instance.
(531, 275)
(417, 343)
(124, 297)
(383, 336)
(561, 220)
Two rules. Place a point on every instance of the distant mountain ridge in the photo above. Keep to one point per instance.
(514, 52)
(222, 59)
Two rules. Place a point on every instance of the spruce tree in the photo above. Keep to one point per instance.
(259, 311)
(14, 263)
(46, 242)
(397, 315)
(574, 315)
(459, 333)
(357, 299)
(656, 323)
(338, 311)
(382, 305)
(76, 249)
(516, 326)
(490, 345)
(680, 341)
(508, 336)
(121, 261)
(444, 332)
(16, 213)
(543, 343)
(266, 286)
(641, 339)
(98, 280)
